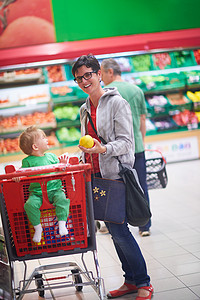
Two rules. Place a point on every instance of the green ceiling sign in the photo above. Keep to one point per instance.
(81, 20)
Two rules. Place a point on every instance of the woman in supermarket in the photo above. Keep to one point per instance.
(112, 119)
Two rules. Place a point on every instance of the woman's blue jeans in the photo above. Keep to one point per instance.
(140, 166)
(129, 253)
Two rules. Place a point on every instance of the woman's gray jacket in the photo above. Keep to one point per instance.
(114, 124)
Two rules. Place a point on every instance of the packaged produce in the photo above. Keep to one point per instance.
(162, 61)
(141, 63)
(68, 112)
(150, 127)
(198, 116)
(60, 90)
(163, 124)
(185, 118)
(11, 145)
(177, 98)
(195, 97)
(197, 56)
(184, 58)
(17, 123)
(157, 100)
(124, 64)
(55, 73)
(192, 77)
(68, 134)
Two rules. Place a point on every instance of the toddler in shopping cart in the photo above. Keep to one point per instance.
(34, 143)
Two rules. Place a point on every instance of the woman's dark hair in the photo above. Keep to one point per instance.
(89, 61)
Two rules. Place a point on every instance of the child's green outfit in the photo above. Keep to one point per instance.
(54, 188)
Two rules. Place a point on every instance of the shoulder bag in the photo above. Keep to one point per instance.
(134, 200)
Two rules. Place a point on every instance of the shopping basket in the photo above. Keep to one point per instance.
(18, 232)
(156, 170)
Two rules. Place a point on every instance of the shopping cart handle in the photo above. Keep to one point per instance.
(10, 169)
(11, 172)
(60, 167)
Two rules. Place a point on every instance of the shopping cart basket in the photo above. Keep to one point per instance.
(156, 170)
(18, 232)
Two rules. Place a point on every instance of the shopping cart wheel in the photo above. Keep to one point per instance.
(77, 279)
(39, 284)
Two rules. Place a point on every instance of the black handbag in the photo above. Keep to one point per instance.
(109, 200)
(137, 208)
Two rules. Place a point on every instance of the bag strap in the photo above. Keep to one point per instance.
(92, 124)
(100, 137)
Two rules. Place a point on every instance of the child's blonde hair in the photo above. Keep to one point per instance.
(28, 138)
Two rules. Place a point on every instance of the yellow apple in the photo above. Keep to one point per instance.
(86, 141)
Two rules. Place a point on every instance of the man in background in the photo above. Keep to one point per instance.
(111, 76)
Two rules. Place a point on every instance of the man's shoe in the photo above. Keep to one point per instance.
(144, 233)
(147, 288)
(131, 288)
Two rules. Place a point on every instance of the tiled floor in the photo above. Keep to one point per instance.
(172, 252)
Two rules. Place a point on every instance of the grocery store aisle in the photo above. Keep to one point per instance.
(172, 252)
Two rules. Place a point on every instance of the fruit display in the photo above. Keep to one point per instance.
(52, 140)
(38, 118)
(68, 112)
(178, 101)
(185, 118)
(162, 82)
(35, 98)
(162, 61)
(17, 122)
(183, 58)
(50, 99)
(124, 63)
(157, 100)
(21, 75)
(67, 135)
(55, 73)
(141, 63)
(9, 123)
(24, 96)
(4, 102)
(86, 141)
(60, 90)
(195, 97)
(197, 56)
(150, 127)
(157, 104)
(198, 116)
(177, 98)
(11, 145)
(163, 124)
(192, 77)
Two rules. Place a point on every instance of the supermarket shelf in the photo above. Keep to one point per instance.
(165, 71)
(56, 53)
(57, 150)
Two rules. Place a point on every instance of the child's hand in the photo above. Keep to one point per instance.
(64, 158)
(16, 179)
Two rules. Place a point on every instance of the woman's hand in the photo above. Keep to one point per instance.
(97, 148)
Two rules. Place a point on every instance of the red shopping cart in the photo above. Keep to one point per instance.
(18, 231)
